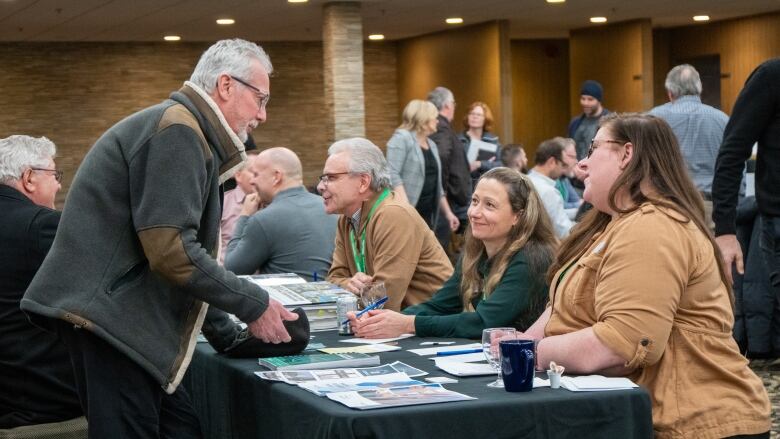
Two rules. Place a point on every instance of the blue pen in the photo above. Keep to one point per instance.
(374, 305)
(463, 351)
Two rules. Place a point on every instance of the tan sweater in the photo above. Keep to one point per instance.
(650, 288)
(400, 250)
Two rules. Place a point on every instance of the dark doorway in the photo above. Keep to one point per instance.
(709, 70)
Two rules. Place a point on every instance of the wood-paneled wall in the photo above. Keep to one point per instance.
(742, 44)
(620, 57)
(466, 60)
(540, 72)
(73, 92)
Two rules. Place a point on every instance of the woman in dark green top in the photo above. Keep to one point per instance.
(499, 281)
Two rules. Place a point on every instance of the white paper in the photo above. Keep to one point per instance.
(541, 382)
(434, 351)
(441, 380)
(275, 280)
(361, 349)
(462, 358)
(465, 369)
(476, 145)
(595, 383)
(375, 340)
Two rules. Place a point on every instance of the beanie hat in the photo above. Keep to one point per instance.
(592, 88)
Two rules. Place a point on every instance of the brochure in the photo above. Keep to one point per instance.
(318, 361)
(321, 388)
(380, 397)
(305, 376)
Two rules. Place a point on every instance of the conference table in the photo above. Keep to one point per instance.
(232, 402)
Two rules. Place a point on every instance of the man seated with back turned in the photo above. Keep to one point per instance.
(36, 377)
(378, 238)
(550, 166)
(292, 234)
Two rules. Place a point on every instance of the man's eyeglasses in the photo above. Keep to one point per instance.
(262, 98)
(57, 173)
(595, 144)
(330, 178)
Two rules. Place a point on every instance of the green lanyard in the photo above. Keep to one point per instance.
(360, 256)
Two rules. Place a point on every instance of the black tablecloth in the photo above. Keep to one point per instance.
(232, 402)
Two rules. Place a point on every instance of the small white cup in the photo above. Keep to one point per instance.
(555, 379)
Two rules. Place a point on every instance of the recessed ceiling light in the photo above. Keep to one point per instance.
(556, 1)
(376, 37)
(172, 38)
(454, 20)
(701, 18)
(598, 19)
(297, 1)
(225, 21)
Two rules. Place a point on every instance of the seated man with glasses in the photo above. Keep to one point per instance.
(35, 371)
(378, 238)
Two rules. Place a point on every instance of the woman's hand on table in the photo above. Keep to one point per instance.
(381, 323)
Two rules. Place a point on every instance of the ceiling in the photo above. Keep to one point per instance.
(277, 20)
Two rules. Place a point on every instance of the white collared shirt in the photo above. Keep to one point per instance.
(553, 202)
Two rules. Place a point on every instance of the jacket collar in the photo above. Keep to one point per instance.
(225, 143)
(290, 192)
(11, 192)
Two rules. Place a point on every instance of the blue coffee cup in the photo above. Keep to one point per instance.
(518, 364)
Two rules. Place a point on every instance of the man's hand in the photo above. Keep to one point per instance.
(473, 166)
(270, 326)
(251, 204)
(357, 282)
(453, 221)
(732, 252)
(381, 323)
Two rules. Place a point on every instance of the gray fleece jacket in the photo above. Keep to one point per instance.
(133, 261)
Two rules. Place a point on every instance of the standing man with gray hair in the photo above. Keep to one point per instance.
(455, 172)
(378, 237)
(130, 275)
(698, 127)
(35, 371)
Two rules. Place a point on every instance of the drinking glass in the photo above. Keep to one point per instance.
(490, 338)
(372, 293)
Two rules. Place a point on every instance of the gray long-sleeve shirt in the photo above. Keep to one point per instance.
(292, 235)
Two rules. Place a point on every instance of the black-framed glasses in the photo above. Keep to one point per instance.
(58, 174)
(325, 179)
(594, 143)
(262, 98)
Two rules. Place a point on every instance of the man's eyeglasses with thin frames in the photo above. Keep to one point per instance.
(330, 178)
(262, 98)
(58, 174)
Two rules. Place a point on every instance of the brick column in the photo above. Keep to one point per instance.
(342, 44)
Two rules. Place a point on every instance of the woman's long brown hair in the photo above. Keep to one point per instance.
(532, 232)
(656, 160)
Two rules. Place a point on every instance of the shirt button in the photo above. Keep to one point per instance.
(644, 342)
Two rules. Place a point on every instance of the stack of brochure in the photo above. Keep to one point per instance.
(318, 299)
(389, 385)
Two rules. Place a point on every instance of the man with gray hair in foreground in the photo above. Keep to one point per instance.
(699, 128)
(378, 238)
(292, 233)
(131, 271)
